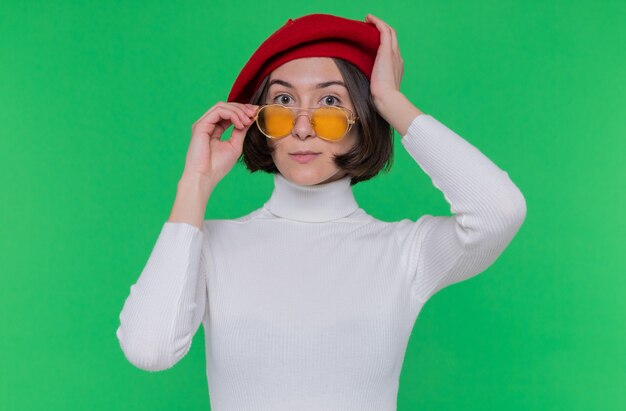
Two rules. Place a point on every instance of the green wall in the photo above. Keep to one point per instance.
(97, 102)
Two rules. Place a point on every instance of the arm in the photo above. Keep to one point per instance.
(488, 209)
(167, 303)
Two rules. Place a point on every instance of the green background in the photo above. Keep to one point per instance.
(97, 103)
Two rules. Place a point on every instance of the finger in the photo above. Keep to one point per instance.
(237, 137)
(203, 117)
(252, 108)
(247, 121)
(394, 41)
(377, 20)
(221, 127)
(387, 39)
(392, 34)
(241, 111)
(385, 32)
(380, 23)
(248, 109)
(239, 118)
(220, 115)
(222, 106)
(219, 130)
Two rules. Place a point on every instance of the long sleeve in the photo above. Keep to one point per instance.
(488, 209)
(166, 304)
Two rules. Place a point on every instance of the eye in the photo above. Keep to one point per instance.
(281, 99)
(330, 99)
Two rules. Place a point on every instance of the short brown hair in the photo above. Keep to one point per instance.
(373, 151)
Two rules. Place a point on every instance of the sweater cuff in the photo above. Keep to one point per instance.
(417, 125)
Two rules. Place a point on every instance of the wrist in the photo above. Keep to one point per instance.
(397, 110)
(196, 182)
(385, 99)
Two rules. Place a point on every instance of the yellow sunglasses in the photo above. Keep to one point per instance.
(330, 123)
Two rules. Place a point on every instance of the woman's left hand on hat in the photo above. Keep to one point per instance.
(387, 72)
(388, 66)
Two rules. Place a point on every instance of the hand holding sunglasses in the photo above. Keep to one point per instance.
(209, 157)
(330, 123)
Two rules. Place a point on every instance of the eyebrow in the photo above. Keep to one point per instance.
(319, 85)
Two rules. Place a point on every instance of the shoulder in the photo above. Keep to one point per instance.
(401, 231)
(216, 224)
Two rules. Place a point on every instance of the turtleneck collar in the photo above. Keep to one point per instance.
(317, 203)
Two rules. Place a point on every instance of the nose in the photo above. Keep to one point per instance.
(302, 128)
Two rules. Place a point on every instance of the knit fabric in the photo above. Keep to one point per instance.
(308, 302)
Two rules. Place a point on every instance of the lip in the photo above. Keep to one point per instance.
(304, 152)
(304, 158)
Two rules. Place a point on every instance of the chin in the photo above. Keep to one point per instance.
(310, 178)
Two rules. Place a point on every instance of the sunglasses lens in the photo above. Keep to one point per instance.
(275, 121)
(330, 123)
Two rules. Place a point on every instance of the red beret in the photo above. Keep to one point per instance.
(313, 35)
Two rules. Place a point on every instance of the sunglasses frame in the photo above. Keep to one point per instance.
(347, 112)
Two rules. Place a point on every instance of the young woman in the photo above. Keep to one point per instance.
(308, 302)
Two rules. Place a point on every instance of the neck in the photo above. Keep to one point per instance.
(316, 203)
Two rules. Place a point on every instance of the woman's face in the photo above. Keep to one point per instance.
(301, 83)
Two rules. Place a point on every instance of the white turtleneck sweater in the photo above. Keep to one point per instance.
(308, 303)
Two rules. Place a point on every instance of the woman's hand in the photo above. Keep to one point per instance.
(208, 157)
(387, 73)
(388, 66)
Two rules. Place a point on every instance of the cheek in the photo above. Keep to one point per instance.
(348, 142)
